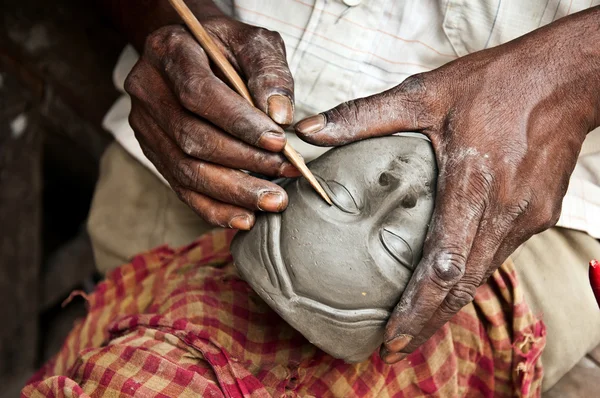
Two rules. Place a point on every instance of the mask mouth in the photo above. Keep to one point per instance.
(348, 334)
(280, 280)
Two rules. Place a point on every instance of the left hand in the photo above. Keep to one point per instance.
(507, 125)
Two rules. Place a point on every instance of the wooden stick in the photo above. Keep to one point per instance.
(223, 64)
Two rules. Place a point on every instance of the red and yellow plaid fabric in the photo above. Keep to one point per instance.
(180, 323)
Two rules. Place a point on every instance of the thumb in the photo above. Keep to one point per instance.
(389, 112)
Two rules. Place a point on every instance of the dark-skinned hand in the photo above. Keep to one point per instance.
(199, 133)
(507, 125)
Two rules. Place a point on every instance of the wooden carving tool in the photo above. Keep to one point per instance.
(223, 64)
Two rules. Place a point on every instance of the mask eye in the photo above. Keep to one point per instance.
(340, 196)
(397, 247)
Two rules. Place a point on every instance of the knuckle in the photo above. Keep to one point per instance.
(270, 68)
(508, 212)
(538, 212)
(414, 86)
(273, 76)
(187, 145)
(184, 132)
(207, 150)
(266, 36)
(459, 297)
(522, 206)
(475, 186)
(474, 190)
(482, 181)
(154, 41)
(190, 140)
(193, 91)
(420, 99)
(347, 113)
(548, 216)
(449, 268)
(134, 83)
(134, 122)
(239, 125)
(165, 40)
(187, 173)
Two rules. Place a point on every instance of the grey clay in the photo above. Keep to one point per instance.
(335, 272)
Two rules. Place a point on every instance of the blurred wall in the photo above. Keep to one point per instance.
(56, 61)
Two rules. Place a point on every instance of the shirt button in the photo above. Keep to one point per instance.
(352, 3)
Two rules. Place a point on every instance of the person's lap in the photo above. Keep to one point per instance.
(181, 322)
(133, 211)
(553, 272)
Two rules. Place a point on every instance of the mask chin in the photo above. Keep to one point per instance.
(351, 335)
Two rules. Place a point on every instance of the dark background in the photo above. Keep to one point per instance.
(56, 61)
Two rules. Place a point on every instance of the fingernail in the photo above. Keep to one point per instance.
(311, 125)
(394, 357)
(289, 170)
(399, 342)
(280, 108)
(240, 222)
(271, 201)
(272, 141)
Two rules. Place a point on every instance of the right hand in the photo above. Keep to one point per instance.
(199, 133)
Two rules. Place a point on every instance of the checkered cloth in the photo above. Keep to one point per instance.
(180, 323)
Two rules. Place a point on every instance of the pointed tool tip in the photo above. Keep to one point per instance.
(297, 160)
(317, 187)
(326, 197)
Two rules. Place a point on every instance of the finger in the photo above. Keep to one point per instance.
(263, 61)
(203, 140)
(221, 183)
(483, 259)
(521, 229)
(490, 250)
(401, 108)
(507, 246)
(456, 219)
(185, 66)
(230, 186)
(210, 210)
(504, 251)
(218, 213)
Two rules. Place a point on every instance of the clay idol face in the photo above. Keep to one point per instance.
(335, 272)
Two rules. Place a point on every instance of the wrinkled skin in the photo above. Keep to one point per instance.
(507, 125)
(199, 133)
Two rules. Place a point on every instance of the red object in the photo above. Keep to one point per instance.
(595, 279)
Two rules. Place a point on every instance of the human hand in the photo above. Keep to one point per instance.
(507, 125)
(198, 132)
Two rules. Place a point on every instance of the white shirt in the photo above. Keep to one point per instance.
(343, 49)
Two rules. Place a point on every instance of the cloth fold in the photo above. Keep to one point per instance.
(176, 323)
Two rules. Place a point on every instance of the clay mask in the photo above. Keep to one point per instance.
(335, 272)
